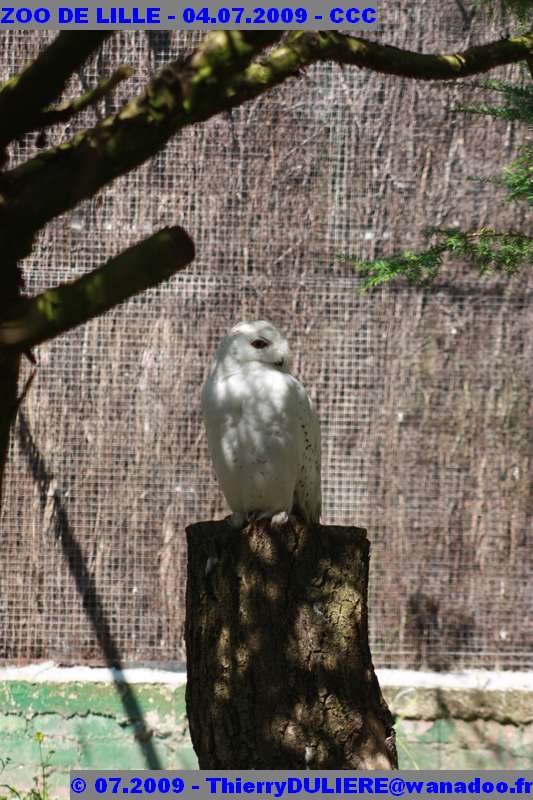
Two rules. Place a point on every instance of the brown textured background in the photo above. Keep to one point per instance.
(425, 400)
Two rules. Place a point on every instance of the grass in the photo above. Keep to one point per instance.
(39, 790)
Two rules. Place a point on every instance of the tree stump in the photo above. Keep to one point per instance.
(279, 671)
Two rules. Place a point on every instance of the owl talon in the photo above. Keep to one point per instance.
(279, 520)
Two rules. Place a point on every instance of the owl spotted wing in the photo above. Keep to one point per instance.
(307, 495)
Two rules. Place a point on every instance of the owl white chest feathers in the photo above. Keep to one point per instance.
(262, 430)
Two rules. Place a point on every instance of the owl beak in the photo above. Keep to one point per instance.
(279, 363)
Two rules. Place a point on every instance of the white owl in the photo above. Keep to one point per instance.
(262, 430)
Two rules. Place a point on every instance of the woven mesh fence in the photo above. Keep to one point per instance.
(424, 399)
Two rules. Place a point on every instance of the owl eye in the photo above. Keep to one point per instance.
(259, 344)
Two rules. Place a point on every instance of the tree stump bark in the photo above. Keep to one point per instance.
(279, 671)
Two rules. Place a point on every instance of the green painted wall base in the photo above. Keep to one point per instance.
(87, 725)
(463, 728)
(91, 725)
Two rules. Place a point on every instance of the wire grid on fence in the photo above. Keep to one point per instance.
(424, 399)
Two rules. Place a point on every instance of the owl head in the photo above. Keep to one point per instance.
(256, 342)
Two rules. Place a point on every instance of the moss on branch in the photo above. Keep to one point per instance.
(66, 111)
(34, 320)
(217, 77)
(24, 96)
(422, 66)
(184, 92)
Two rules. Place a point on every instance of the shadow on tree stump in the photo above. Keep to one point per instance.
(279, 671)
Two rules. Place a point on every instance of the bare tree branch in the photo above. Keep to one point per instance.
(36, 319)
(185, 91)
(24, 96)
(216, 78)
(421, 66)
(68, 110)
